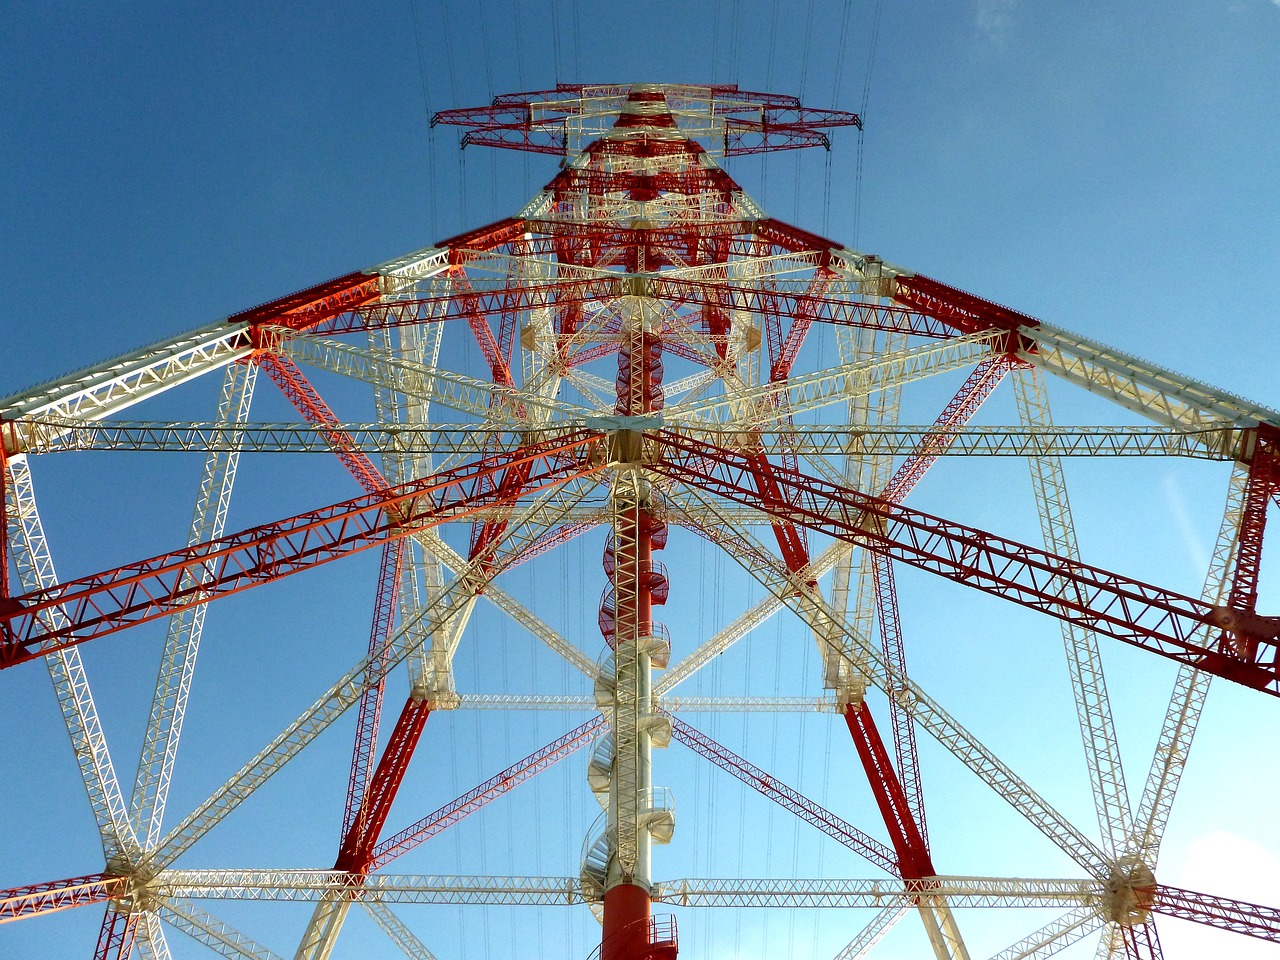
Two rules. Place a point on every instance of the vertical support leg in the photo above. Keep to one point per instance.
(908, 843)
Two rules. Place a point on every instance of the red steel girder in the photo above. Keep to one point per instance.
(1259, 489)
(1224, 913)
(508, 489)
(356, 853)
(1146, 616)
(473, 303)
(465, 297)
(115, 937)
(308, 308)
(967, 313)
(904, 832)
(973, 393)
(477, 797)
(794, 239)
(4, 528)
(489, 237)
(1141, 941)
(784, 356)
(833, 826)
(369, 714)
(299, 391)
(834, 310)
(643, 186)
(54, 895)
(791, 540)
(115, 599)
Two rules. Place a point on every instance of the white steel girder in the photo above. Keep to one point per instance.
(34, 565)
(1084, 660)
(177, 665)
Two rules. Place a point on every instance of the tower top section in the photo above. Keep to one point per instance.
(724, 120)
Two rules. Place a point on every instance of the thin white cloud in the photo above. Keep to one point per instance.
(1197, 552)
(995, 17)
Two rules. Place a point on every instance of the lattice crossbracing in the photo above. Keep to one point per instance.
(632, 353)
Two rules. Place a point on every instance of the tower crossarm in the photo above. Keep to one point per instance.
(41, 435)
(1143, 387)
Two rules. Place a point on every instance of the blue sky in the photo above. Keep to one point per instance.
(1107, 167)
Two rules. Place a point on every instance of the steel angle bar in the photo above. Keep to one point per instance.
(205, 928)
(1056, 935)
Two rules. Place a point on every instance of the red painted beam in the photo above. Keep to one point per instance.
(356, 853)
(299, 391)
(115, 937)
(1251, 919)
(54, 895)
(306, 309)
(964, 311)
(369, 716)
(116, 599)
(904, 832)
(1264, 477)
(1137, 613)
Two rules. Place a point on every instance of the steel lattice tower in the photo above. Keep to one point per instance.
(642, 254)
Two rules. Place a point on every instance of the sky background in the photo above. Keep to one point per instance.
(1109, 168)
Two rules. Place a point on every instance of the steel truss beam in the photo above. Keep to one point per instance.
(52, 435)
(54, 895)
(182, 641)
(1221, 912)
(311, 885)
(1057, 934)
(115, 599)
(1145, 616)
(207, 929)
(29, 550)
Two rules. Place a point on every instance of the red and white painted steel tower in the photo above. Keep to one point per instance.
(641, 254)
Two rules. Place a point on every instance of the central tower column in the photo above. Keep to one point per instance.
(633, 813)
